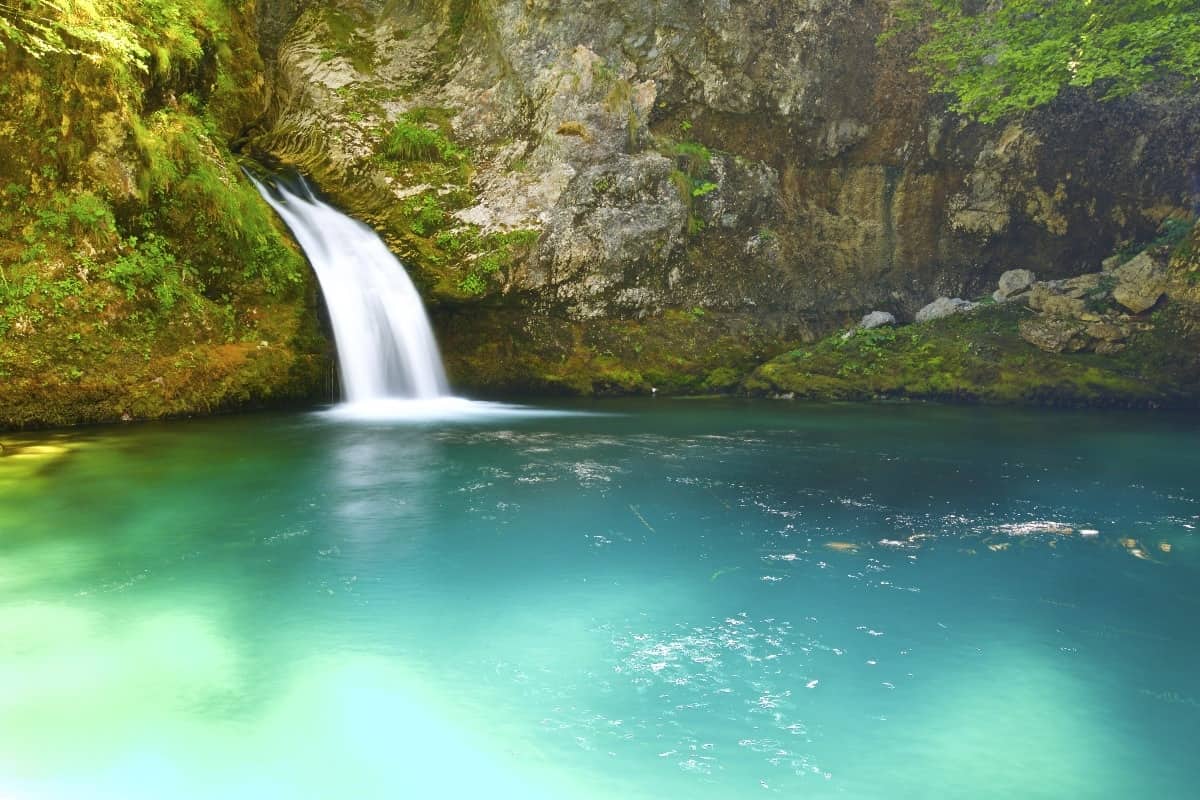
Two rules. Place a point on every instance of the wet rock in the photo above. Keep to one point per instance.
(1141, 283)
(1054, 334)
(877, 319)
(944, 307)
(1013, 283)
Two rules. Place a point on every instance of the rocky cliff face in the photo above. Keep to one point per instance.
(687, 187)
(596, 196)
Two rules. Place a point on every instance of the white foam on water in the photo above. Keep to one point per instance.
(447, 409)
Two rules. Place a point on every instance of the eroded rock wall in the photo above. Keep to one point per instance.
(752, 173)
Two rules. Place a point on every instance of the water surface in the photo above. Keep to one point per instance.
(672, 599)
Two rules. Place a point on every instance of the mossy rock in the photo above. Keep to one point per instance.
(980, 357)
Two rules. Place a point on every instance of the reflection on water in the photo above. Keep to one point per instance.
(680, 600)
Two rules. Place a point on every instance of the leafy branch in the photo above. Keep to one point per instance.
(1000, 58)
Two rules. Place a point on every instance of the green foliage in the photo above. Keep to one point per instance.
(1173, 232)
(694, 157)
(111, 290)
(1099, 300)
(425, 214)
(604, 72)
(150, 36)
(693, 162)
(997, 59)
(981, 357)
(63, 27)
(414, 138)
(493, 253)
(721, 379)
(473, 284)
(207, 210)
(149, 268)
(65, 218)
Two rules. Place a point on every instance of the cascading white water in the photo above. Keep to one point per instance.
(390, 365)
(386, 347)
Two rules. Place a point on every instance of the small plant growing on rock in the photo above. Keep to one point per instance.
(410, 139)
(1099, 300)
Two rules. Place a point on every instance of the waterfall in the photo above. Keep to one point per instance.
(386, 347)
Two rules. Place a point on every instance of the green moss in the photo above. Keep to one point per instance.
(693, 156)
(503, 349)
(980, 357)
(139, 272)
(348, 39)
(690, 178)
(458, 13)
(414, 137)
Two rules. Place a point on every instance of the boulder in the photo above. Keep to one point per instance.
(1084, 286)
(1054, 334)
(876, 319)
(1108, 331)
(944, 307)
(1048, 298)
(1141, 283)
(1014, 282)
(1022, 297)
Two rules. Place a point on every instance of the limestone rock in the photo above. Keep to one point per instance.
(1082, 286)
(1013, 282)
(1141, 283)
(731, 162)
(944, 307)
(1054, 334)
(1021, 297)
(1107, 331)
(1048, 298)
(877, 319)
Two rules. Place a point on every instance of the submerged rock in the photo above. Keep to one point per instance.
(944, 307)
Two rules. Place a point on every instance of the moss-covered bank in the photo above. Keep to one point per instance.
(981, 357)
(141, 275)
(676, 352)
